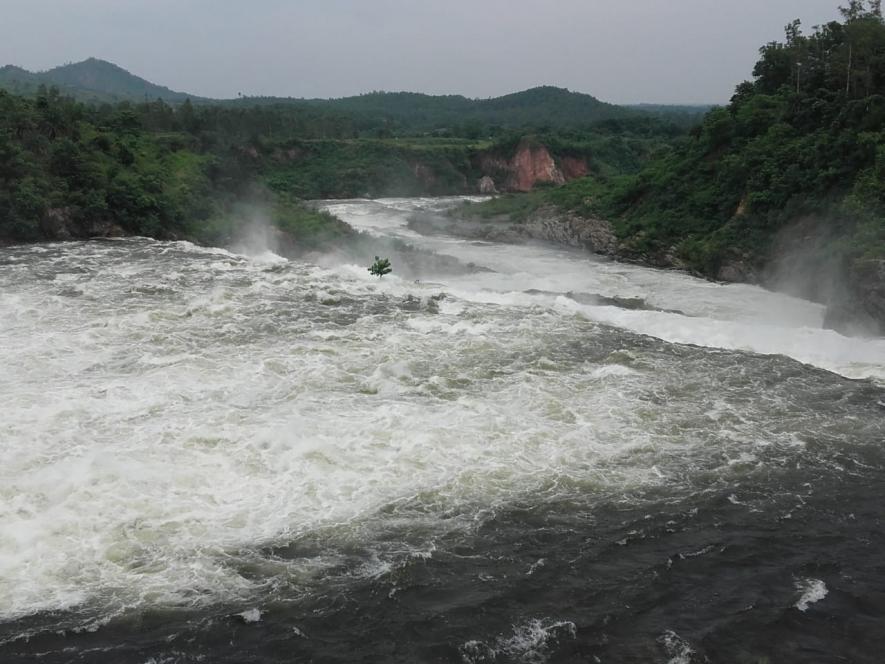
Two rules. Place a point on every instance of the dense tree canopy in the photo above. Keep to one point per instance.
(175, 170)
(804, 139)
(148, 169)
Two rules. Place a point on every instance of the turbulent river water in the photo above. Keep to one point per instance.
(523, 454)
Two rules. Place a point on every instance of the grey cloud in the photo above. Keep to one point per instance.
(644, 50)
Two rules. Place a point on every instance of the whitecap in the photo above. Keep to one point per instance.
(813, 591)
(250, 615)
(678, 649)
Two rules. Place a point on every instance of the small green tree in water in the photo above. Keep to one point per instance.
(380, 267)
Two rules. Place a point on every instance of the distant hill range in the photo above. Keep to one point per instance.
(92, 80)
(99, 81)
(550, 106)
(695, 110)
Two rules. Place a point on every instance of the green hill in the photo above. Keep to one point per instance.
(19, 81)
(545, 106)
(91, 80)
(102, 77)
(804, 142)
(385, 113)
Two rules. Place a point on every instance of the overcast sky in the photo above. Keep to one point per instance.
(666, 51)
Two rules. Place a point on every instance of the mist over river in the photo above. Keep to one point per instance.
(539, 456)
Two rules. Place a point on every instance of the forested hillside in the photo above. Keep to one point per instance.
(73, 170)
(375, 114)
(803, 139)
(179, 170)
(785, 185)
(91, 80)
(542, 107)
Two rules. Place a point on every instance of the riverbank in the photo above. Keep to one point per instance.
(797, 264)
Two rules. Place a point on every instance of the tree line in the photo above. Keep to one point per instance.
(805, 137)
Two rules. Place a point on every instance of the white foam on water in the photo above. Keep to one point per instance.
(250, 615)
(530, 642)
(268, 257)
(729, 316)
(853, 358)
(191, 405)
(148, 436)
(813, 591)
(678, 649)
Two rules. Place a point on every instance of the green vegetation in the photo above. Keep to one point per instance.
(365, 167)
(798, 153)
(78, 161)
(380, 267)
(682, 114)
(805, 140)
(414, 166)
(75, 169)
(546, 107)
(91, 80)
(583, 196)
(372, 115)
(72, 170)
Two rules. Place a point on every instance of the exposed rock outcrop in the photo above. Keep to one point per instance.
(486, 185)
(62, 224)
(802, 263)
(547, 223)
(738, 269)
(531, 165)
(555, 225)
(56, 224)
(574, 167)
(425, 175)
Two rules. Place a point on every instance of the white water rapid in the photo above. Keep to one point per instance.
(170, 412)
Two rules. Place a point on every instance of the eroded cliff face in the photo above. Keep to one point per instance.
(532, 164)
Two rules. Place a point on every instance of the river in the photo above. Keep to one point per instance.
(222, 456)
